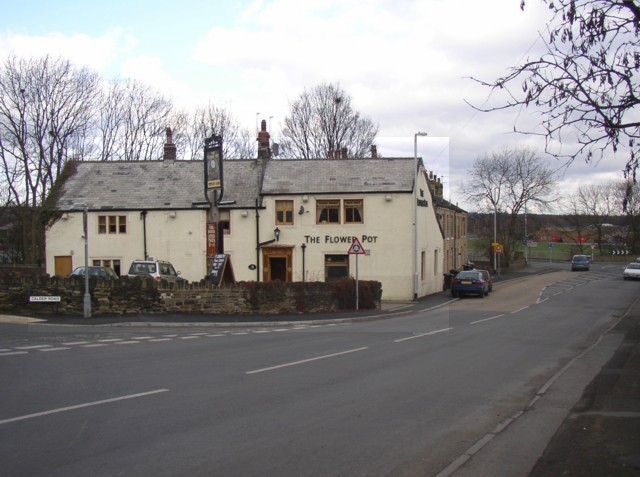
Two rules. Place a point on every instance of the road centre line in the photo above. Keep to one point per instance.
(53, 349)
(293, 363)
(161, 339)
(422, 334)
(33, 347)
(73, 343)
(486, 319)
(110, 340)
(80, 406)
(520, 309)
(14, 353)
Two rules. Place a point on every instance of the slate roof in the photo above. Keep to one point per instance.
(133, 185)
(137, 185)
(338, 176)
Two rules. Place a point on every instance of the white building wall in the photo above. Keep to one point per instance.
(176, 236)
(386, 235)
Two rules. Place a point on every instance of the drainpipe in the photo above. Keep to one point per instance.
(143, 216)
(257, 243)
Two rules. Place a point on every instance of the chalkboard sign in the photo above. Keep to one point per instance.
(221, 269)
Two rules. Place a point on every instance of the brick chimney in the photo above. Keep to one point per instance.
(169, 147)
(264, 147)
(374, 151)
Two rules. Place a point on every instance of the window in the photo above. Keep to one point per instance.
(224, 224)
(353, 211)
(328, 211)
(112, 224)
(284, 212)
(336, 267)
(113, 264)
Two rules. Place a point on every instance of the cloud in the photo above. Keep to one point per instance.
(97, 53)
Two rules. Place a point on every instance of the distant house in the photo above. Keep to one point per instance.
(289, 220)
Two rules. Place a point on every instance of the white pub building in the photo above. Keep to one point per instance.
(276, 219)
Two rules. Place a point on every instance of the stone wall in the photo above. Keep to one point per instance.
(147, 296)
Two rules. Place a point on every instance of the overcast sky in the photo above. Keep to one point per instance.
(406, 64)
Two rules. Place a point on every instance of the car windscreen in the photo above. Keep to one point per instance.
(142, 268)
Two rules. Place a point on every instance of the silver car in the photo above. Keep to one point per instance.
(158, 269)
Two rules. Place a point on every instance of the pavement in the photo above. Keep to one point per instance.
(600, 435)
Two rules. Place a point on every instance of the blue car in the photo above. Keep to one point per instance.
(469, 282)
(580, 262)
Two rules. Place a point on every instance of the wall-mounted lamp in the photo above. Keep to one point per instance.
(172, 214)
(276, 233)
(305, 198)
(301, 211)
(245, 213)
(387, 197)
(65, 216)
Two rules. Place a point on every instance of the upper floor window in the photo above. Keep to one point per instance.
(284, 212)
(353, 211)
(112, 224)
(328, 211)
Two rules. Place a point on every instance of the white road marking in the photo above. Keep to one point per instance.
(53, 349)
(126, 342)
(293, 363)
(520, 309)
(141, 337)
(161, 339)
(189, 337)
(95, 345)
(111, 340)
(33, 347)
(422, 334)
(80, 406)
(74, 343)
(486, 319)
(14, 353)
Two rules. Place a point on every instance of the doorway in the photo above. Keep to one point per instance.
(276, 264)
(62, 265)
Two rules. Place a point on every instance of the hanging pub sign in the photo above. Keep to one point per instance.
(213, 162)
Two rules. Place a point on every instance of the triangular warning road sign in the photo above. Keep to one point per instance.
(356, 247)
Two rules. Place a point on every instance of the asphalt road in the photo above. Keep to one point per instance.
(476, 387)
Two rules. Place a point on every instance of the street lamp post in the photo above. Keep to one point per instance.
(415, 213)
(87, 296)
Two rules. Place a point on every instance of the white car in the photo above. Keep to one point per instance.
(631, 271)
(158, 269)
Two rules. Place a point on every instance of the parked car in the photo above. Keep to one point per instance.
(101, 273)
(631, 271)
(469, 282)
(488, 278)
(158, 269)
(580, 262)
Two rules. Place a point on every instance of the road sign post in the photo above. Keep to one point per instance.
(356, 249)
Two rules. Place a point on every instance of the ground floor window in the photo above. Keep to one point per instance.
(336, 267)
(107, 262)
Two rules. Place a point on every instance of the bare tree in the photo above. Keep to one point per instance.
(598, 203)
(322, 122)
(211, 120)
(505, 184)
(47, 109)
(586, 85)
(628, 195)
